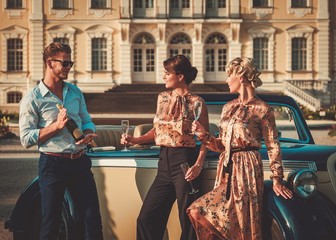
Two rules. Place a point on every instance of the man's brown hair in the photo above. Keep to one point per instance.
(53, 49)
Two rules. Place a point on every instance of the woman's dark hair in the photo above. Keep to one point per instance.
(180, 64)
(54, 48)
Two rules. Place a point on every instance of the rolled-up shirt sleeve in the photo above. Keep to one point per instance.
(28, 120)
(85, 116)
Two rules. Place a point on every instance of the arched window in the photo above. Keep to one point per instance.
(216, 50)
(14, 97)
(144, 58)
(180, 44)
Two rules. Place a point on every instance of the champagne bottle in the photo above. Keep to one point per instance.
(74, 130)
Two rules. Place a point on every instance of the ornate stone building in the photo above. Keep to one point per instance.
(125, 41)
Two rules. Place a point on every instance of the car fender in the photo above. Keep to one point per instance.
(28, 202)
(300, 219)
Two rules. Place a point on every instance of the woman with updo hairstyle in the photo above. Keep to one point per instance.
(172, 132)
(233, 209)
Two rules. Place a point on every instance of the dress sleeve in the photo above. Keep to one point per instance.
(212, 143)
(270, 135)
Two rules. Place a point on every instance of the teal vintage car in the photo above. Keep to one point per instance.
(123, 179)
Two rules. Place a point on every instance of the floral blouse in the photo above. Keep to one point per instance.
(244, 125)
(173, 119)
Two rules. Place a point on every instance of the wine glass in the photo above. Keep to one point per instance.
(124, 129)
(197, 109)
(185, 167)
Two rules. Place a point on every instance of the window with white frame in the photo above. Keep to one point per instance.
(180, 3)
(216, 8)
(14, 4)
(14, 40)
(180, 44)
(143, 4)
(262, 8)
(99, 54)
(299, 53)
(300, 48)
(216, 50)
(99, 8)
(143, 8)
(14, 54)
(99, 44)
(98, 4)
(260, 52)
(60, 4)
(261, 46)
(299, 3)
(14, 8)
(185, 3)
(143, 57)
(179, 8)
(14, 97)
(260, 3)
(299, 7)
(61, 8)
(216, 4)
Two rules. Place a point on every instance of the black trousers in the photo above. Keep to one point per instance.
(55, 175)
(169, 185)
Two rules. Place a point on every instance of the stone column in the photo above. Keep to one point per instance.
(36, 43)
(125, 54)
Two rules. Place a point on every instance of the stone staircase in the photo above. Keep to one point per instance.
(306, 94)
(156, 88)
(128, 99)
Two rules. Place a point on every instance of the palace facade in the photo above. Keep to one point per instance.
(118, 42)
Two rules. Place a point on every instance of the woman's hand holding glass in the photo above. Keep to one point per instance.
(127, 139)
(198, 129)
(193, 172)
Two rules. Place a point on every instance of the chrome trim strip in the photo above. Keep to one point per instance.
(125, 162)
(289, 165)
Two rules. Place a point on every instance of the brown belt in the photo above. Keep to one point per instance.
(234, 150)
(67, 155)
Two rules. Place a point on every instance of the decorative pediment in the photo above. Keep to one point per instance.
(300, 31)
(99, 31)
(261, 31)
(61, 31)
(14, 32)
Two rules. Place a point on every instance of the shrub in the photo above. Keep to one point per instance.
(5, 131)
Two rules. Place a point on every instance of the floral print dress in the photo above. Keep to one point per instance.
(239, 216)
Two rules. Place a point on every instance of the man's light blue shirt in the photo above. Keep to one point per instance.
(38, 110)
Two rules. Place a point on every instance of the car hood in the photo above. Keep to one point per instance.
(305, 152)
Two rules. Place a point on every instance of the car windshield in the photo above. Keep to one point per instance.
(290, 130)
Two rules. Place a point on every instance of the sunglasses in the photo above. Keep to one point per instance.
(64, 63)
